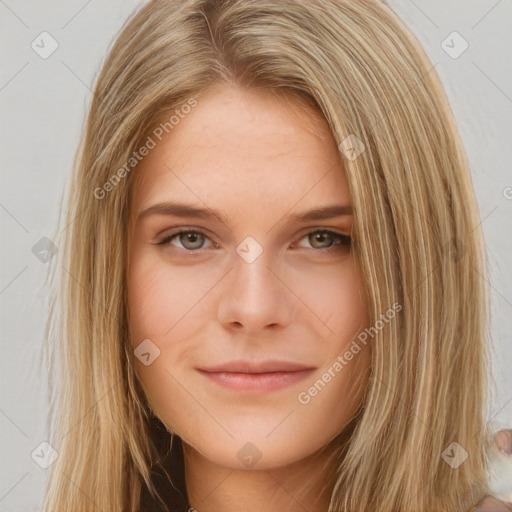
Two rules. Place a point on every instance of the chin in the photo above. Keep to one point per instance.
(259, 445)
(258, 455)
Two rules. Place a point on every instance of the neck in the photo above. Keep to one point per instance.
(305, 485)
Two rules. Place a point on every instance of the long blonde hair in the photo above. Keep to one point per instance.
(416, 237)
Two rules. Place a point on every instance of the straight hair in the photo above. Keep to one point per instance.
(416, 238)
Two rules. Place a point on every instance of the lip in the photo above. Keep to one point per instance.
(257, 376)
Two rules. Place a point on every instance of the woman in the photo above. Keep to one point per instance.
(271, 289)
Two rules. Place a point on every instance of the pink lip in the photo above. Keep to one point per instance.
(257, 376)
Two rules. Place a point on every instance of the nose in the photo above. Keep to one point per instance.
(255, 297)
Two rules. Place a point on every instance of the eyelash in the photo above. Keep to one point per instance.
(344, 240)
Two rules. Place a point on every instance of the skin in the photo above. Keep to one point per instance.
(258, 160)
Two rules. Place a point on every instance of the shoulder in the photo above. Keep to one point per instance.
(492, 504)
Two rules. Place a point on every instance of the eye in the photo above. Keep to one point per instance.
(327, 240)
(188, 240)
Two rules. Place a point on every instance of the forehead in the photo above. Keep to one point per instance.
(239, 148)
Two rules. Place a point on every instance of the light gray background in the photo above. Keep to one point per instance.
(43, 105)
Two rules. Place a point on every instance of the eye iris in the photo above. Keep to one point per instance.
(320, 237)
(195, 239)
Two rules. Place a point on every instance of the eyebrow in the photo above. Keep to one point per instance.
(187, 210)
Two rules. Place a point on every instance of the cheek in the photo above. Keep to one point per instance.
(160, 303)
(337, 298)
(161, 298)
(149, 301)
(169, 306)
(334, 296)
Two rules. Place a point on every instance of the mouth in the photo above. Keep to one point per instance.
(248, 376)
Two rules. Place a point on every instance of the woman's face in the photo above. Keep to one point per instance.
(238, 321)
